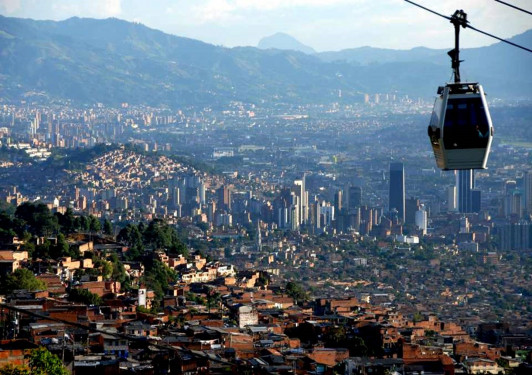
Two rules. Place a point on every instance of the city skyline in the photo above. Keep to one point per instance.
(173, 207)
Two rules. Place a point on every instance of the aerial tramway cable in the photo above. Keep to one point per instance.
(513, 6)
(473, 28)
(460, 129)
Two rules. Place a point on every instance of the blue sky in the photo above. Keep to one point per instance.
(325, 25)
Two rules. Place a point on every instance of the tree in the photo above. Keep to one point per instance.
(107, 227)
(42, 362)
(132, 236)
(305, 332)
(213, 299)
(22, 278)
(104, 267)
(297, 292)
(118, 270)
(67, 222)
(335, 337)
(11, 369)
(38, 218)
(159, 235)
(84, 223)
(357, 347)
(158, 276)
(7, 225)
(264, 279)
(94, 224)
(61, 248)
(84, 296)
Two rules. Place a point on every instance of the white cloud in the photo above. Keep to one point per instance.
(10, 6)
(112, 7)
(86, 8)
(232, 10)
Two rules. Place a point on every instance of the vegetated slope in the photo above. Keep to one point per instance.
(113, 61)
(506, 71)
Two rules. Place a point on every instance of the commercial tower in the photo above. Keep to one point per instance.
(527, 176)
(464, 185)
(354, 197)
(397, 189)
(224, 198)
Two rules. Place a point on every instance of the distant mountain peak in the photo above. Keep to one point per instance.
(285, 42)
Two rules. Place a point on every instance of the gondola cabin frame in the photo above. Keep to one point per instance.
(460, 128)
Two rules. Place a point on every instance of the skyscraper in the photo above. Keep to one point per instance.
(224, 198)
(397, 189)
(355, 197)
(300, 190)
(464, 184)
(338, 201)
(527, 177)
(412, 206)
(452, 204)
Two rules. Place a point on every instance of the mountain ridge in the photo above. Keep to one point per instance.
(113, 61)
(285, 42)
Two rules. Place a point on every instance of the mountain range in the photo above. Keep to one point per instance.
(113, 61)
(285, 42)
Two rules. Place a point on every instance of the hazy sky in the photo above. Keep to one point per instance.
(322, 24)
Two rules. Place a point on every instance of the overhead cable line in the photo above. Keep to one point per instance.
(513, 6)
(471, 27)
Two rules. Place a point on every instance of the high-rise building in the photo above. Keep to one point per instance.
(176, 196)
(299, 189)
(465, 182)
(464, 225)
(412, 205)
(452, 204)
(338, 201)
(259, 237)
(202, 192)
(512, 204)
(527, 182)
(224, 198)
(355, 197)
(421, 219)
(515, 236)
(397, 189)
(326, 214)
(476, 200)
(366, 219)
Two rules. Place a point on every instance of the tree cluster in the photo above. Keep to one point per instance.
(296, 291)
(157, 277)
(22, 278)
(156, 235)
(84, 296)
(31, 220)
(40, 362)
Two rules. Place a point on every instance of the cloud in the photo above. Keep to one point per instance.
(10, 6)
(222, 11)
(83, 8)
(112, 7)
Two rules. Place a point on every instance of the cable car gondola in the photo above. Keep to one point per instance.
(460, 128)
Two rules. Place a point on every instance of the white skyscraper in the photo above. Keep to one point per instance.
(421, 219)
(451, 199)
